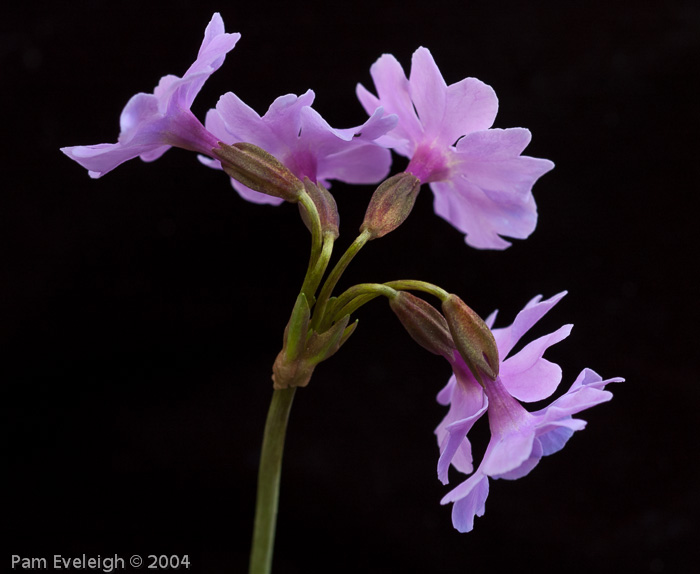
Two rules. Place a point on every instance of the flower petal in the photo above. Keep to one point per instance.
(216, 44)
(556, 438)
(428, 92)
(509, 452)
(378, 124)
(481, 219)
(358, 164)
(527, 376)
(139, 121)
(467, 407)
(255, 196)
(102, 158)
(526, 466)
(508, 337)
(470, 106)
(444, 397)
(233, 121)
(491, 161)
(394, 94)
(212, 52)
(469, 501)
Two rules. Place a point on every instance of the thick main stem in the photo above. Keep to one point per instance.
(269, 481)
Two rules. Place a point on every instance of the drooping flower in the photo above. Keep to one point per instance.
(482, 185)
(297, 135)
(153, 123)
(519, 439)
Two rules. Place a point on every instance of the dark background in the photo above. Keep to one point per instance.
(140, 313)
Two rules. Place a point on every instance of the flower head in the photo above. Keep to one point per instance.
(152, 123)
(519, 439)
(297, 135)
(482, 185)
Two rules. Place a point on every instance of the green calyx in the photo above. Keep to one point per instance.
(473, 338)
(305, 348)
(424, 323)
(258, 170)
(391, 204)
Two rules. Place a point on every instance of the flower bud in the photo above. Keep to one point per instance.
(322, 346)
(259, 170)
(391, 204)
(295, 370)
(472, 337)
(424, 323)
(325, 205)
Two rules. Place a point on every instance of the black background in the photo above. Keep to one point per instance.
(141, 312)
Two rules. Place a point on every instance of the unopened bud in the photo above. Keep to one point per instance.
(325, 205)
(296, 370)
(259, 170)
(472, 337)
(424, 323)
(391, 204)
(321, 346)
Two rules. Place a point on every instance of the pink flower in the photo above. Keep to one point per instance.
(303, 141)
(482, 185)
(519, 439)
(152, 123)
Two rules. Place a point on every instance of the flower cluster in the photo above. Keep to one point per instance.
(291, 130)
(482, 185)
(519, 439)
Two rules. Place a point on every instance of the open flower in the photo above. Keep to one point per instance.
(303, 141)
(519, 439)
(152, 123)
(482, 185)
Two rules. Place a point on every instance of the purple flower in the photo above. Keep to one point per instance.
(482, 185)
(302, 140)
(519, 439)
(152, 123)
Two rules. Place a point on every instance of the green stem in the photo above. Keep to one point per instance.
(413, 285)
(269, 481)
(334, 276)
(315, 272)
(353, 298)
(316, 236)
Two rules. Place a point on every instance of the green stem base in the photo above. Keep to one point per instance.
(269, 481)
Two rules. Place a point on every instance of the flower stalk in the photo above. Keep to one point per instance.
(335, 274)
(269, 475)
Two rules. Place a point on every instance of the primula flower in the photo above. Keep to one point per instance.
(519, 439)
(482, 185)
(152, 123)
(303, 141)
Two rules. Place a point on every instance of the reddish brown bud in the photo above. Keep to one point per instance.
(472, 337)
(259, 170)
(424, 323)
(391, 204)
(325, 205)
